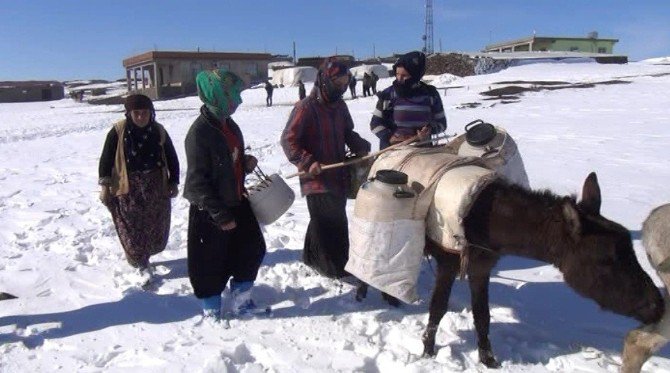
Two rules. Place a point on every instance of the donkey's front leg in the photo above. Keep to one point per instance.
(479, 295)
(447, 267)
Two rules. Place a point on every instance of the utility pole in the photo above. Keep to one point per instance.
(374, 54)
(428, 34)
(295, 62)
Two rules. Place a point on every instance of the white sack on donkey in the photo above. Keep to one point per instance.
(387, 233)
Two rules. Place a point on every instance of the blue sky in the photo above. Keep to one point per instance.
(68, 39)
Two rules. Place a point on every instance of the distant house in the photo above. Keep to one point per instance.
(165, 74)
(589, 44)
(28, 91)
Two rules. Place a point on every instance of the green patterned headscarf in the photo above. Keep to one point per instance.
(220, 91)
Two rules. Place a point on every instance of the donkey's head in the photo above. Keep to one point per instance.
(602, 264)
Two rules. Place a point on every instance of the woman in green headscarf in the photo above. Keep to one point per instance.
(224, 239)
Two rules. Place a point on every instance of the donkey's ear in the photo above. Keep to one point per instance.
(591, 200)
(571, 216)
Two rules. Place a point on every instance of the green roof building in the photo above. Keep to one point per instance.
(589, 44)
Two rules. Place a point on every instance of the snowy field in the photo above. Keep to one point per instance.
(78, 310)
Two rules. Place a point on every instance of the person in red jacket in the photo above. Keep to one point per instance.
(318, 131)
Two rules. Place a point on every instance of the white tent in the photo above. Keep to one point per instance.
(290, 76)
(380, 70)
(272, 66)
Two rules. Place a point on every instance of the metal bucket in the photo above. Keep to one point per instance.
(270, 198)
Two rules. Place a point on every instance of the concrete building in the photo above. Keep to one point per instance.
(589, 44)
(165, 74)
(28, 91)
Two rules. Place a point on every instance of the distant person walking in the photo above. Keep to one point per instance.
(224, 239)
(301, 90)
(269, 88)
(409, 106)
(352, 86)
(374, 78)
(138, 174)
(367, 84)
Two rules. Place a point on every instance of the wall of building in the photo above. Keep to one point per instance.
(176, 77)
(590, 46)
(32, 93)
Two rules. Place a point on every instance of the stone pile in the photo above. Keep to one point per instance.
(452, 63)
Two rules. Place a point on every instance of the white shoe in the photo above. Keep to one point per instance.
(146, 275)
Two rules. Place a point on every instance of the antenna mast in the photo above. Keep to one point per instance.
(428, 35)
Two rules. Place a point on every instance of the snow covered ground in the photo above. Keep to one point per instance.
(78, 310)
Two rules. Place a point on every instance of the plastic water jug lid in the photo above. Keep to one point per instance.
(479, 133)
(391, 177)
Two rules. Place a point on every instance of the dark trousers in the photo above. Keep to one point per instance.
(215, 255)
(327, 240)
(268, 100)
(366, 91)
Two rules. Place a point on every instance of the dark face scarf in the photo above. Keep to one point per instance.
(330, 70)
(404, 89)
(330, 91)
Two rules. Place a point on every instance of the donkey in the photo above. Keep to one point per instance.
(594, 254)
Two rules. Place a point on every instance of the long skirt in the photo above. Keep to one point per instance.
(142, 217)
(327, 240)
(214, 255)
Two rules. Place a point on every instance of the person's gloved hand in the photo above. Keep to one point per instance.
(173, 190)
(423, 133)
(228, 226)
(314, 169)
(105, 195)
(396, 139)
(250, 162)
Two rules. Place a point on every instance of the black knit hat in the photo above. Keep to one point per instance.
(414, 63)
(138, 102)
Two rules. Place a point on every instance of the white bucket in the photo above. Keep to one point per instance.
(270, 199)
(500, 153)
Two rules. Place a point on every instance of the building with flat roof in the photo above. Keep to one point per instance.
(534, 43)
(27, 91)
(165, 74)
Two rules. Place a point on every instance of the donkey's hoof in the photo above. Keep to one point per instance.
(486, 357)
(361, 292)
(393, 301)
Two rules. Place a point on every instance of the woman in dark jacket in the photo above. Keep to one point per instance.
(409, 106)
(138, 174)
(224, 239)
(317, 132)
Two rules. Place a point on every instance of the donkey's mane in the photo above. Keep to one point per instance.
(543, 197)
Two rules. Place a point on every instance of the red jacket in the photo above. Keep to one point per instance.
(317, 131)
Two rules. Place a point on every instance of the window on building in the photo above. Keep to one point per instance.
(602, 50)
(251, 69)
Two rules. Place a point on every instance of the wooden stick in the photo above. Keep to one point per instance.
(361, 159)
